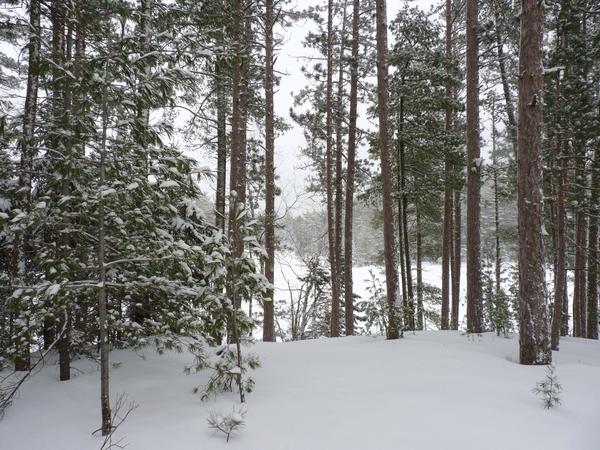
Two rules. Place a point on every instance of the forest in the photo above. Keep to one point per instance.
(279, 224)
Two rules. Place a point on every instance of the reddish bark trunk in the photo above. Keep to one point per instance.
(533, 322)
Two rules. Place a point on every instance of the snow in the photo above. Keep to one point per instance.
(430, 390)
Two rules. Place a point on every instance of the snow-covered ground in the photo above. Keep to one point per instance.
(430, 390)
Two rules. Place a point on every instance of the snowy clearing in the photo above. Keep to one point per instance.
(430, 390)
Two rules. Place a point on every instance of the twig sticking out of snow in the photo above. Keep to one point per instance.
(120, 412)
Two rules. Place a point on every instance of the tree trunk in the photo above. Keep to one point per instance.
(399, 150)
(221, 144)
(420, 310)
(533, 323)
(561, 268)
(474, 310)
(593, 250)
(510, 112)
(579, 293)
(498, 265)
(331, 215)
(102, 300)
(447, 232)
(456, 261)
(269, 324)
(339, 193)
(64, 343)
(18, 269)
(237, 180)
(348, 210)
(408, 300)
(389, 235)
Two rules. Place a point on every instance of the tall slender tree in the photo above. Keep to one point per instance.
(474, 310)
(28, 150)
(269, 324)
(447, 233)
(593, 249)
(560, 282)
(349, 208)
(329, 182)
(389, 235)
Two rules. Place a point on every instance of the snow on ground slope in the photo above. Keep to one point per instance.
(430, 390)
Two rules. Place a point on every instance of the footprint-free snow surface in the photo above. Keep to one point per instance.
(430, 390)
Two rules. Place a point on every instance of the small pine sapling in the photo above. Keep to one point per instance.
(227, 424)
(549, 389)
(224, 364)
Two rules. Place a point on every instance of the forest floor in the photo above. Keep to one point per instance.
(430, 390)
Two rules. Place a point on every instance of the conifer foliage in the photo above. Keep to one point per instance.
(104, 240)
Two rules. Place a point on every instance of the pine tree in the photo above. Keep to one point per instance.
(533, 327)
(391, 270)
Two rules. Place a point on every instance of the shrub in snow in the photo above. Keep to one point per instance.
(226, 371)
(227, 424)
(549, 389)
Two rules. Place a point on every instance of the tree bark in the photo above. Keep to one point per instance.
(420, 309)
(348, 210)
(269, 324)
(339, 193)
(593, 250)
(221, 145)
(403, 241)
(102, 300)
(399, 151)
(534, 344)
(579, 292)
(237, 180)
(18, 269)
(389, 235)
(561, 268)
(498, 258)
(331, 215)
(64, 343)
(447, 231)
(456, 261)
(474, 310)
(510, 112)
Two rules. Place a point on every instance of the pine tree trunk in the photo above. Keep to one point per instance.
(389, 235)
(269, 324)
(237, 180)
(474, 310)
(420, 309)
(561, 268)
(102, 298)
(339, 193)
(348, 210)
(447, 231)
(221, 144)
(579, 292)
(533, 323)
(508, 102)
(329, 181)
(399, 150)
(456, 261)
(18, 268)
(498, 258)
(408, 300)
(64, 343)
(593, 250)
